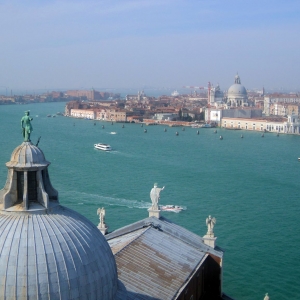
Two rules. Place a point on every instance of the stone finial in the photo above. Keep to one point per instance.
(102, 226)
(266, 297)
(210, 239)
(155, 196)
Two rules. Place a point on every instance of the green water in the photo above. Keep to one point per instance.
(250, 185)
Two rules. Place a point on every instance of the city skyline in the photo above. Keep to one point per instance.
(162, 44)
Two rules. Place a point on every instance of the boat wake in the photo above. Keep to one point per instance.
(92, 199)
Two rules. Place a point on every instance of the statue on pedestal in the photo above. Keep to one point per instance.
(101, 213)
(210, 222)
(26, 126)
(155, 196)
(266, 297)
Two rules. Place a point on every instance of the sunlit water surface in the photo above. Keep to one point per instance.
(250, 184)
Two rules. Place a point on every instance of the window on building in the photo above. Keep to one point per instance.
(20, 184)
(32, 186)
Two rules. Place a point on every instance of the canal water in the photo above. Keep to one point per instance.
(250, 185)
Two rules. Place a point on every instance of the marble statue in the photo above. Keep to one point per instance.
(210, 222)
(26, 126)
(101, 213)
(155, 196)
(267, 297)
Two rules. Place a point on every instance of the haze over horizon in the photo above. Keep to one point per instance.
(154, 43)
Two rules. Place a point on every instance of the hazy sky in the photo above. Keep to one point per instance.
(159, 43)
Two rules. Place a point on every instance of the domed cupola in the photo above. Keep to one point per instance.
(48, 251)
(237, 94)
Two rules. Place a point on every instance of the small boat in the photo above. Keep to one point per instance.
(175, 94)
(177, 133)
(104, 147)
(206, 126)
(113, 132)
(48, 116)
(145, 130)
(102, 126)
(197, 131)
(221, 138)
(173, 208)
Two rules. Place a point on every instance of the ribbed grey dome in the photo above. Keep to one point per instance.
(237, 90)
(27, 155)
(60, 255)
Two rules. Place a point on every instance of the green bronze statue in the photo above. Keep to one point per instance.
(26, 126)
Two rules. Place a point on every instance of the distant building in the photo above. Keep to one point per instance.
(237, 94)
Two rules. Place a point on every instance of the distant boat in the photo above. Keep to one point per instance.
(221, 138)
(177, 133)
(103, 147)
(172, 208)
(206, 126)
(48, 116)
(145, 130)
(175, 94)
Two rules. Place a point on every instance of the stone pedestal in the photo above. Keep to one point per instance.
(103, 229)
(154, 212)
(210, 240)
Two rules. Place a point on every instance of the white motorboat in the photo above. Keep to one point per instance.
(206, 126)
(103, 147)
(173, 208)
(175, 94)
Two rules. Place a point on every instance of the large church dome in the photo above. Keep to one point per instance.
(60, 255)
(237, 94)
(48, 251)
(237, 90)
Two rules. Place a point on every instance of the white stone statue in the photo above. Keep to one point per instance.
(267, 297)
(101, 213)
(210, 222)
(155, 196)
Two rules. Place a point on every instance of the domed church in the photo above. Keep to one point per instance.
(237, 94)
(48, 251)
